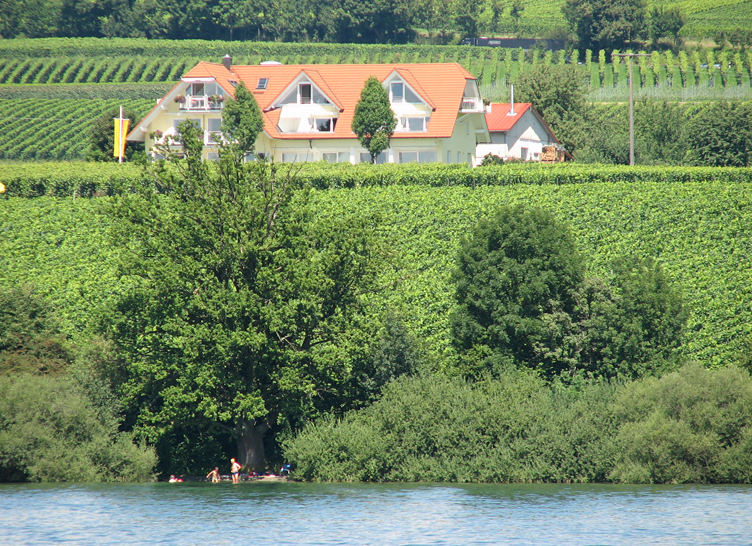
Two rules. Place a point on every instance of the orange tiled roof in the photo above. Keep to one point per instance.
(499, 118)
(441, 85)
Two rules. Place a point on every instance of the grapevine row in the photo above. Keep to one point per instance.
(490, 66)
(53, 129)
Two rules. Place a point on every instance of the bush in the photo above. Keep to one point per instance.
(51, 431)
(435, 428)
(690, 426)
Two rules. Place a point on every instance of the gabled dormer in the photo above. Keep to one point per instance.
(412, 110)
(305, 107)
(471, 100)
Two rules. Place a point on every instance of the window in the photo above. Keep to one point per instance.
(292, 157)
(408, 157)
(336, 157)
(213, 156)
(177, 121)
(428, 156)
(326, 125)
(424, 156)
(414, 124)
(250, 156)
(402, 93)
(398, 91)
(459, 157)
(196, 89)
(411, 97)
(305, 93)
(214, 126)
(365, 157)
(523, 154)
(449, 156)
(262, 83)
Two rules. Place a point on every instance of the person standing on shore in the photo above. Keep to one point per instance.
(214, 475)
(235, 470)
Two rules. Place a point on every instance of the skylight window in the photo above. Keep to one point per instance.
(262, 82)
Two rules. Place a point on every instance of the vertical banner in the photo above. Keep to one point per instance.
(121, 131)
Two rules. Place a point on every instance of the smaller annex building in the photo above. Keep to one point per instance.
(517, 132)
(308, 110)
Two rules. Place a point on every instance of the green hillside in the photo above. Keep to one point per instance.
(701, 232)
(703, 17)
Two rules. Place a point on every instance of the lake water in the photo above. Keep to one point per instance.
(361, 514)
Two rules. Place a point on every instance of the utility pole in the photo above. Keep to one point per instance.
(631, 101)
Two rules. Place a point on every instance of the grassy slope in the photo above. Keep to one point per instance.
(703, 17)
(700, 232)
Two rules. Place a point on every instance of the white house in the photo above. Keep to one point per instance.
(308, 110)
(517, 131)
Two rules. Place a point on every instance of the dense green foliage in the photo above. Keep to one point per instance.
(241, 301)
(690, 426)
(516, 268)
(703, 251)
(373, 120)
(697, 230)
(523, 301)
(87, 179)
(30, 338)
(605, 24)
(52, 429)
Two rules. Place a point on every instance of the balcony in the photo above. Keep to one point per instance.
(471, 104)
(200, 103)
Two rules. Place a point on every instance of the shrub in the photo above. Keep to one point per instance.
(51, 431)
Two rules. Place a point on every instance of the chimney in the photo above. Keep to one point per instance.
(511, 101)
(227, 62)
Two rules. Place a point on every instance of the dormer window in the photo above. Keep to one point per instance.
(414, 124)
(305, 93)
(302, 92)
(262, 83)
(398, 91)
(322, 125)
(401, 93)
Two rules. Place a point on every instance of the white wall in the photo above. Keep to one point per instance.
(527, 133)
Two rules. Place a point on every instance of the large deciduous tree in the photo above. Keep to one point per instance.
(239, 302)
(605, 24)
(515, 267)
(558, 95)
(374, 120)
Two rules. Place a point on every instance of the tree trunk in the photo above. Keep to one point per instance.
(251, 444)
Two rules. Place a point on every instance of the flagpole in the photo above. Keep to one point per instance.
(122, 126)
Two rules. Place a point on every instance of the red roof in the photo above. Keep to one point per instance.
(499, 118)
